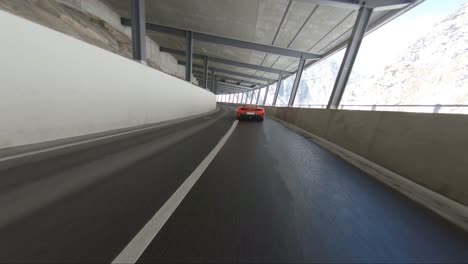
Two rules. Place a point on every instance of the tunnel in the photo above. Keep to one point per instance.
(121, 142)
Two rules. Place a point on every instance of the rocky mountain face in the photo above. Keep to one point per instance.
(72, 21)
(433, 70)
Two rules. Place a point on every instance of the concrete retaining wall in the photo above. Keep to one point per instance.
(429, 149)
(53, 86)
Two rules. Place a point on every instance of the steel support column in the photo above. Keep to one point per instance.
(352, 49)
(258, 96)
(188, 55)
(251, 96)
(213, 80)
(266, 94)
(278, 86)
(242, 98)
(205, 72)
(138, 30)
(300, 68)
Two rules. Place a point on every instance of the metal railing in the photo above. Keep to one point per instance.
(419, 108)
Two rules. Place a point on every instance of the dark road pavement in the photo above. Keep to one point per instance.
(269, 195)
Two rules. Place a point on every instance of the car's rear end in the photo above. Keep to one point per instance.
(250, 112)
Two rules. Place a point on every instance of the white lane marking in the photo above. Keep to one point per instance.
(140, 242)
(98, 138)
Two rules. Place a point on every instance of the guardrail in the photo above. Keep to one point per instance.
(419, 108)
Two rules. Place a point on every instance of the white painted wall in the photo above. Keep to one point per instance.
(53, 86)
(165, 61)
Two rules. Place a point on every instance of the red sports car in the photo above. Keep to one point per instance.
(251, 112)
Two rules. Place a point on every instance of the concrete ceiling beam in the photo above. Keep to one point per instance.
(227, 62)
(226, 41)
(218, 70)
(377, 5)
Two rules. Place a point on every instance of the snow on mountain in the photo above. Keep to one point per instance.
(433, 70)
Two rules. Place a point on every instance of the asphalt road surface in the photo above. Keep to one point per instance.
(268, 195)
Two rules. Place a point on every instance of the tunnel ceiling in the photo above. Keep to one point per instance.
(319, 27)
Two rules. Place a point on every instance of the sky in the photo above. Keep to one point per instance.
(387, 42)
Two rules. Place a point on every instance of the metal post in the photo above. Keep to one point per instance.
(205, 72)
(258, 96)
(352, 49)
(266, 94)
(300, 68)
(188, 55)
(251, 96)
(213, 80)
(138, 30)
(242, 98)
(278, 86)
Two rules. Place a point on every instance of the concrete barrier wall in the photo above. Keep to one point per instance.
(53, 86)
(429, 149)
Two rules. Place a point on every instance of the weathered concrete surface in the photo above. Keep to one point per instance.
(429, 149)
(352, 130)
(72, 21)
